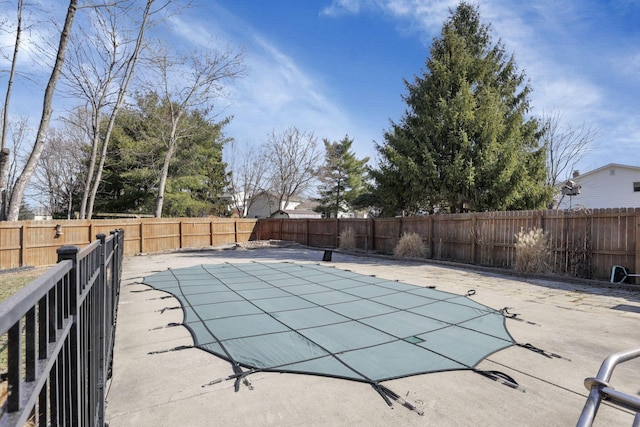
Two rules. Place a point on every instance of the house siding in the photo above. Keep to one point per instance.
(611, 186)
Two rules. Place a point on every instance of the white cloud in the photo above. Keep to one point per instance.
(276, 92)
(416, 15)
(628, 64)
(340, 7)
(38, 39)
(425, 16)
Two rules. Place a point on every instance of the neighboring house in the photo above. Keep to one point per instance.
(345, 212)
(295, 213)
(611, 186)
(264, 204)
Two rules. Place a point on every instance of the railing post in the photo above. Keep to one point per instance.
(113, 290)
(101, 323)
(73, 393)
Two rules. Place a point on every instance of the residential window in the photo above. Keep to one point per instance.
(636, 186)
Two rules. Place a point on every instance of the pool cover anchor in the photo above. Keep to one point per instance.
(501, 378)
(514, 316)
(178, 348)
(545, 353)
(168, 325)
(387, 393)
(161, 311)
(239, 377)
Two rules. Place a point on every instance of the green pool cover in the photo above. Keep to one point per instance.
(320, 320)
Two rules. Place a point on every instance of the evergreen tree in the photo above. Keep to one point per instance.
(197, 175)
(464, 142)
(343, 178)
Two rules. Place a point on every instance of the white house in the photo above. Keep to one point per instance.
(296, 213)
(610, 186)
(264, 204)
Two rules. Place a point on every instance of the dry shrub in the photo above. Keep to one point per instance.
(410, 245)
(347, 239)
(532, 251)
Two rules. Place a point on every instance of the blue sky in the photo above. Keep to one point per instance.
(336, 67)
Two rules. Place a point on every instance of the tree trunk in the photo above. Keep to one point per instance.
(24, 178)
(4, 170)
(163, 178)
(130, 68)
(4, 153)
(92, 165)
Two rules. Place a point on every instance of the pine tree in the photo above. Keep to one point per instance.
(465, 142)
(343, 177)
(196, 176)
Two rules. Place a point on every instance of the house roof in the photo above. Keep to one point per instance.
(607, 166)
(297, 213)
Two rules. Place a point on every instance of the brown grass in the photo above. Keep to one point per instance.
(347, 240)
(10, 283)
(410, 245)
(532, 251)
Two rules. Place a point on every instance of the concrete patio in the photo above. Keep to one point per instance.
(582, 323)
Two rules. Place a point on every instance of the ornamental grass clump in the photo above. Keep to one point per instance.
(347, 240)
(532, 251)
(410, 245)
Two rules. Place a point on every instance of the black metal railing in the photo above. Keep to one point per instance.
(59, 338)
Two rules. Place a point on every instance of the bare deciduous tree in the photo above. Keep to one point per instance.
(248, 176)
(565, 146)
(4, 151)
(187, 82)
(47, 110)
(56, 179)
(101, 64)
(293, 160)
(18, 132)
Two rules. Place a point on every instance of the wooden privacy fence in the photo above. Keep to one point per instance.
(583, 243)
(34, 243)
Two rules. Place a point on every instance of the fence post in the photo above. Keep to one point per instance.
(101, 289)
(473, 235)
(141, 236)
(71, 253)
(372, 235)
(235, 230)
(636, 267)
(22, 248)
